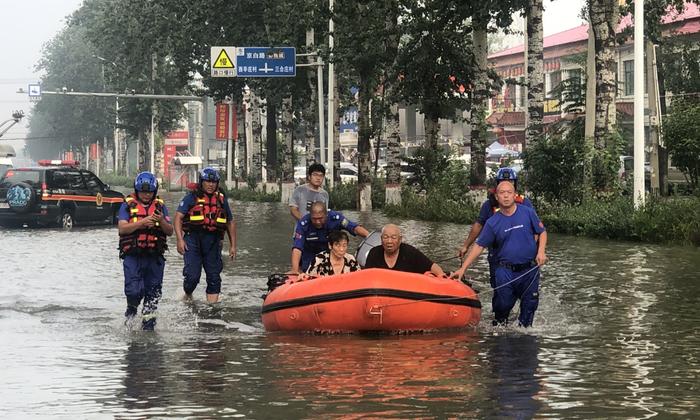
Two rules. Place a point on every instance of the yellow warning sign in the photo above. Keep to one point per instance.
(223, 61)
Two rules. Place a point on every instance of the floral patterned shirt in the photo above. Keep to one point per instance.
(322, 266)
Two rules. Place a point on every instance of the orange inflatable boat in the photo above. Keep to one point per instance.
(371, 300)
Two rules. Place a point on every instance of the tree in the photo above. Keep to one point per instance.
(604, 17)
(682, 129)
(69, 122)
(363, 61)
(535, 72)
(436, 62)
(482, 14)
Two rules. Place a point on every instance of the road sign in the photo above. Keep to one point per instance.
(266, 61)
(34, 92)
(223, 62)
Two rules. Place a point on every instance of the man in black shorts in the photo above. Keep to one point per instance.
(394, 255)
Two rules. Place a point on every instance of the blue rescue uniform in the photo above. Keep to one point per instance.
(203, 250)
(143, 274)
(514, 250)
(311, 240)
(488, 209)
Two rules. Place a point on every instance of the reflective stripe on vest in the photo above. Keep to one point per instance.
(152, 240)
(208, 213)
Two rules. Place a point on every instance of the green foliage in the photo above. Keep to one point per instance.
(344, 195)
(435, 172)
(606, 164)
(61, 122)
(679, 60)
(432, 206)
(117, 180)
(437, 191)
(675, 220)
(682, 135)
(248, 194)
(436, 61)
(554, 166)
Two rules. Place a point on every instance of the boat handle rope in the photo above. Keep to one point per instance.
(386, 305)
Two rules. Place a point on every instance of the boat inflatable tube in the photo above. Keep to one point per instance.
(371, 300)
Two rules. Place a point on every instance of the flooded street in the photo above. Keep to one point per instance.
(616, 335)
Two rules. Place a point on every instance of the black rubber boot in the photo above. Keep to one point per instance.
(130, 311)
(149, 324)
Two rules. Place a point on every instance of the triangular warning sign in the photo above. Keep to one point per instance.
(223, 61)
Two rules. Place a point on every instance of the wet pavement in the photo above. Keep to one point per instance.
(616, 335)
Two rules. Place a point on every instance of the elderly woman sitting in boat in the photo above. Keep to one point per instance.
(336, 259)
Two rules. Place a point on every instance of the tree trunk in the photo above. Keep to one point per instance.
(663, 152)
(535, 74)
(477, 114)
(311, 112)
(364, 180)
(589, 129)
(603, 17)
(432, 131)
(287, 164)
(336, 135)
(393, 157)
(271, 149)
(256, 173)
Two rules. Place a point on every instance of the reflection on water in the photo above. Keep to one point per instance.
(514, 363)
(391, 375)
(616, 335)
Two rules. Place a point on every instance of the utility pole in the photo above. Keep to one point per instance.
(639, 197)
(229, 145)
(331, 101)
(153, 115)
(117, 154)
(658, 180)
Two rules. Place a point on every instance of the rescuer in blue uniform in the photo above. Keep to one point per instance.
(311, 234)
(143, 225)
(517, 255)
(488, 209)
(200, 222)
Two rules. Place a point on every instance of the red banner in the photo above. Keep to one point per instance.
(222, 121)
(94, 151)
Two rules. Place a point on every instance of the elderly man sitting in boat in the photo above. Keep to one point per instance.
(312, 230)
(392, 254)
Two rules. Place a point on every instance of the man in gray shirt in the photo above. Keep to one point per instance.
(304, 195)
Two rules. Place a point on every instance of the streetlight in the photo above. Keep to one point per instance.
(16, 117)
(116, 113)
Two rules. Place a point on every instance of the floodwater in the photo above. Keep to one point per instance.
(617, 335)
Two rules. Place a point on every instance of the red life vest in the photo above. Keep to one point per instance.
(207, 214)
(143, 241)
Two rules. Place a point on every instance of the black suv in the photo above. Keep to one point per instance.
(56, 195)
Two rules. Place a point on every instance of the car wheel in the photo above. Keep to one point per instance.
(66, 220)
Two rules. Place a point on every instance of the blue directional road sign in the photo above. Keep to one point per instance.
(266, 61)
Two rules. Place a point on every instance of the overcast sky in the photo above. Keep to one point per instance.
(26, 25)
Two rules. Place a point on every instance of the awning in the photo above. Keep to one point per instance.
(187, 160)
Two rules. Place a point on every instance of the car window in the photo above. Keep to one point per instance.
(67, 179)
(93, 183)
(13, 176)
